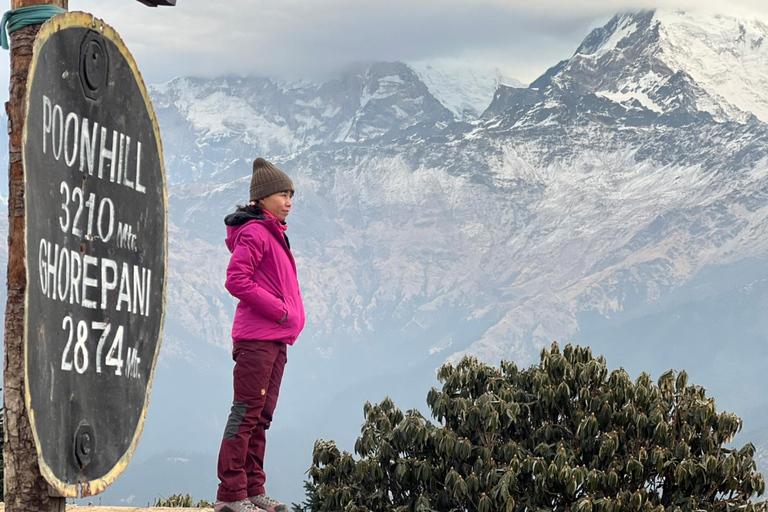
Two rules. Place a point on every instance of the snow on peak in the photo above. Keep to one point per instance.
(625, 26)
(465, 88)
(725, 55)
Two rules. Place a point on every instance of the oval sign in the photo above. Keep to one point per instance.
(96, 235)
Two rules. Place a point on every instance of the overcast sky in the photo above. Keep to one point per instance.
(317, 38)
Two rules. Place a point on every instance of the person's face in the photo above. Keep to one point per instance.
(278, 204)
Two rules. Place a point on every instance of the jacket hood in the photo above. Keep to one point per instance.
(236, 221)
(240, 218)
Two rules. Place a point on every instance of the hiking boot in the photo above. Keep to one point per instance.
(268, 504)
(236, 506)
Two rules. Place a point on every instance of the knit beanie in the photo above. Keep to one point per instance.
(267, 180)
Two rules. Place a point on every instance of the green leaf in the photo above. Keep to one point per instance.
(485, 504)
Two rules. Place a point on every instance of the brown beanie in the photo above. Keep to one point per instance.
(267, 180)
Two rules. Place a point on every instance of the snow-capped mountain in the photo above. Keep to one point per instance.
(623, 113)
(671, 61)
(463, 87)
(212, 123)
(620, 201)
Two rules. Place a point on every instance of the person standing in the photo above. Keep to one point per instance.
(269, 317)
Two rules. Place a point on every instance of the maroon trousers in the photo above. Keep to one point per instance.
(258, 372)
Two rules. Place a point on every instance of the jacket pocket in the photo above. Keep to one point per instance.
(290, 321)
(282, 319)
(273, 312)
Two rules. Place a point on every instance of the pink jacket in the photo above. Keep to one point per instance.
(262, 274)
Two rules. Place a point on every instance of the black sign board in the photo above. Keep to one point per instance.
(96, 233)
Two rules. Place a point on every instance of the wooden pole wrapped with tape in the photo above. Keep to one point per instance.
(25, 488)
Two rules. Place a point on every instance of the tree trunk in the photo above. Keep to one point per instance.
(25, 488)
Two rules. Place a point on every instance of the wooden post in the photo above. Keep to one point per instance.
(25, 488)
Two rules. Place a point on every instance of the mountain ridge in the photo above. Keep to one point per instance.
(526, 146)
(723, 61)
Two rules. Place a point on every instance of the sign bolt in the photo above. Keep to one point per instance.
(85, 444)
